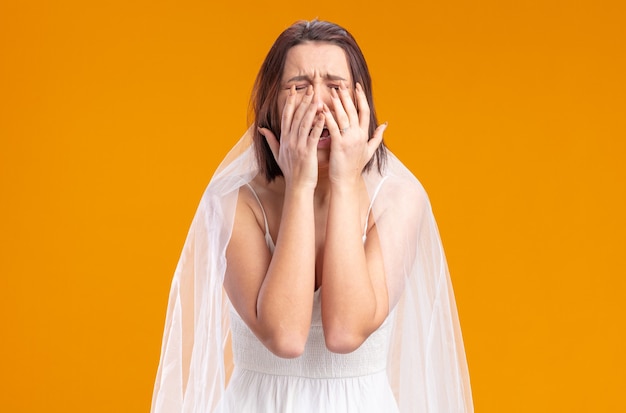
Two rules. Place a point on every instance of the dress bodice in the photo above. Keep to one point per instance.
(316, 361)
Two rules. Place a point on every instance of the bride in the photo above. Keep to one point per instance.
(314, 257)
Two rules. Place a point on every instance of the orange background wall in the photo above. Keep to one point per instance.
(114, 114)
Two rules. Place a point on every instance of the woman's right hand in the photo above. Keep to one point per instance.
(301, 127)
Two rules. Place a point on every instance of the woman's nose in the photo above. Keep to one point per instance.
(322, 94)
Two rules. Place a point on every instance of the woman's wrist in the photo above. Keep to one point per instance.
(299, 190)
(346, 186)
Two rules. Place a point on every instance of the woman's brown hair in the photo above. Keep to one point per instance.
(268, 84)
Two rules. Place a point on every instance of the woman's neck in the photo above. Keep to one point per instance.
(322, 189)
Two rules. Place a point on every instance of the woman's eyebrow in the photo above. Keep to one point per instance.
(307, 78)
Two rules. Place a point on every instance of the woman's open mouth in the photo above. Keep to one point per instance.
(325, 134)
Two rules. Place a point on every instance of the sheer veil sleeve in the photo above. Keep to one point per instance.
(426, 366)
(191, 376)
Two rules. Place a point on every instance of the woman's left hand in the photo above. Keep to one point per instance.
(350, 146)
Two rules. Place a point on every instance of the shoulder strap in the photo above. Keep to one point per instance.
(268, 237)
(369, 210)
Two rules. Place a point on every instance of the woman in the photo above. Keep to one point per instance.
(335, 288)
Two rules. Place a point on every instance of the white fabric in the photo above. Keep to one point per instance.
(318, 380)
(424, 363)
(268, 237)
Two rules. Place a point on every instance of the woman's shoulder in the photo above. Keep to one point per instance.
(398, 183)
(261, 198)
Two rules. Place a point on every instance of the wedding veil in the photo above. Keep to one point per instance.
(427, 368)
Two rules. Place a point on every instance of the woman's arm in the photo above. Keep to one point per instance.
(354, 293)
(273, 294)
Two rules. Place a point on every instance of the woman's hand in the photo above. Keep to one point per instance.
(301, 128)
(350, 147)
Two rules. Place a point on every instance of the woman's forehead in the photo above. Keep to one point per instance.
(315, 59)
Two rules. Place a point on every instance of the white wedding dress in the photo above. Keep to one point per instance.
(316, 381)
